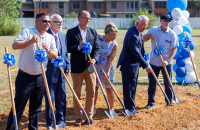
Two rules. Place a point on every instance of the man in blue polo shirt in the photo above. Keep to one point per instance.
(167, 40)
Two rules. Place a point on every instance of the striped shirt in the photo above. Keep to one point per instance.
(167, 40)
(27, 61)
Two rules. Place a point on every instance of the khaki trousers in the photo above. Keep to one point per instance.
(90, 80)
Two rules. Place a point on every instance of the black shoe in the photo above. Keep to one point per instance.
(92, 122)
(148, 107)
(78, 122)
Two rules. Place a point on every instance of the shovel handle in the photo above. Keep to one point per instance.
(192, 61)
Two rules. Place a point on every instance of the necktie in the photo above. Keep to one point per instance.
(58, 44)
(142, 49)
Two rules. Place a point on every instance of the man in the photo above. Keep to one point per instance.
(29, 82)
(55, 78)
(167, 39)
(81, 66)
(131, 58)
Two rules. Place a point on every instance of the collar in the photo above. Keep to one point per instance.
(81, 29)
(167, 30)
(53, 32)
(139, 32)
(35, 30)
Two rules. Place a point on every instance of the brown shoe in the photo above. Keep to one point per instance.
(78, 122)
(92, 122)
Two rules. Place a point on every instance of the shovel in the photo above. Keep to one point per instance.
(48, 95)
(88, 121)
(110, 113)
(11, 95)
(193, 64)
(176, 100)
(125, 111)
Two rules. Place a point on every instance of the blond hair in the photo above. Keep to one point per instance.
(110, 28)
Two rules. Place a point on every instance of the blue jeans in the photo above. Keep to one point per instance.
(152, 83)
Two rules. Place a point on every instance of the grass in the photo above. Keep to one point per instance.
(7, 41)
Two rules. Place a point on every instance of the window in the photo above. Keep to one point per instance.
(61, 5)
(45, 5)
(76, 5)
(127, 4)
(160, 4)
(132, 6)
(29, 0)
(113, 4)
(129, 16)
(136, 6)
(114, 15)
(97, 5)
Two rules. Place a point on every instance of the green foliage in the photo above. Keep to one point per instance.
(152, 18)
(8, 8)
(72, 15)
(194, 4)
(9, 27)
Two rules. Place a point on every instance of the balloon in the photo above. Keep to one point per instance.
(189, 67)
(178, 54)
(178, 29)
(192, 54)
(187, 28)
(185, 53)
(181, 72)
(182, 21)
(181, 36)
(181, 61)
(191, 46)
(173, 23)
(181, 46)
(188, 23)
(176, 13)
(179, 79)
(185, 14)
(170, 14)
(175, 67)
(190, 77)
(171, 4)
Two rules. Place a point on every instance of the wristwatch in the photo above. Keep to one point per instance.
(168, 61)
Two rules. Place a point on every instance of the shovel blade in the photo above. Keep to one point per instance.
(177, 100)
(111, 114)
(127, 112)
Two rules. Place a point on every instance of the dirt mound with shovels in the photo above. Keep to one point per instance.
(184, 115)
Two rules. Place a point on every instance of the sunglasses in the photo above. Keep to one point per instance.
(59, 22)
(165, 20)
(44, 21)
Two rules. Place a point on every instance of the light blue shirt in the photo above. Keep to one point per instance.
(167, 40)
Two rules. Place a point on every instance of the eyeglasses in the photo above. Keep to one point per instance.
(44, 21)
(165, 20)
(145, 26)
(87, 19)
(59, 22)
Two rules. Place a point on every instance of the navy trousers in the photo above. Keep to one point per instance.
(152, 83)
(58, 94)
(129, 91)
(27, 87)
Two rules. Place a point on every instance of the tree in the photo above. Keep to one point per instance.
(195, 4)
(72, 15)
(152, 18)
(9, 8)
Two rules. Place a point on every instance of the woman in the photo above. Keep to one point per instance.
(108, 49)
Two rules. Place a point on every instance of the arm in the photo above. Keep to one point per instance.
(111, 59)
(171, 56)
(50, 53)
(71, 39)
(146, 37)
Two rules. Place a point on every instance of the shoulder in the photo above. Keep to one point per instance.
(92, 30)
(61, 34)
(72, 29)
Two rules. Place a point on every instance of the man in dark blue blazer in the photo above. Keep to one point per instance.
(81, 65)
(55, 79)
(131, 58)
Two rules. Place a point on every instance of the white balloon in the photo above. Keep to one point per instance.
(192, 54)
(178, 29)
(189, 66)
(173, 23)
(190, 77)
(185, 14)
(182, 21)
(176, 13)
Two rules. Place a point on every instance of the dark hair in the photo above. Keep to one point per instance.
(79, 14)
(39, 15)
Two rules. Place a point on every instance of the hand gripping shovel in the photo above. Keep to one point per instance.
(48, 94)
(193, 64)
(125, 111)
(176, 100)
(88, 121)
(168, 103)
(11, 95)
(109, 113)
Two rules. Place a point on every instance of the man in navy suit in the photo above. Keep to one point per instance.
(81, 65)
(56, 80)
(131, 58)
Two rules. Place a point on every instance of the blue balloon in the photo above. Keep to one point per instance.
(181, 72)
(187, 28)
(185, 53)
(181, 46)
(181, 61)
(171, 4)
(175, 67)
(178, 54)
(192, 46)
(179, 79)
(181, 36)
(188, 23)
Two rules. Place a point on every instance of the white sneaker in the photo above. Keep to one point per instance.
(94, 112)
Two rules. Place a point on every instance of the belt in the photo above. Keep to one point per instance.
(21, 71)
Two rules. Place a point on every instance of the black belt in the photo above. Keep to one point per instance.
(21, 71)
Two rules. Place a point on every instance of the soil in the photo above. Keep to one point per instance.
(181, 116)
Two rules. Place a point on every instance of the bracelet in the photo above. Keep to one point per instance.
(49, 51)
